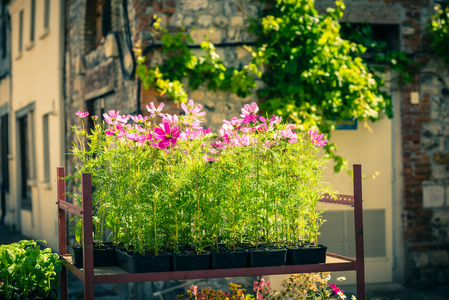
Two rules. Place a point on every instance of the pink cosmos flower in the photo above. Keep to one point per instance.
(195, 124)
(250, 118)
(95, 117)
(190, 110)
(81, 114)
(111, 116)
(234, 123)
(194, 289)
(138, 119)
(289, 134)
(153, 110)
(336, 290)
(172, 120)
(209, 159)
(275, 120)
(249, 109)
(290, 126)
(241, 140)
(167, 136)
(268, 144)
(317, 140)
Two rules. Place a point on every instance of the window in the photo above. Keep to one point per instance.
(25, 121)
(98, 23)
(4, 25)
(32, 19)
(46, 142)
(47, 14)
(20, 32)
(4, 151)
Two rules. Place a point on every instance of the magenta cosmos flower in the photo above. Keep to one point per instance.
(317, 140)
(167, 136)
(81, 114)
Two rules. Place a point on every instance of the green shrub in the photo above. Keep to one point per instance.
(26, 271)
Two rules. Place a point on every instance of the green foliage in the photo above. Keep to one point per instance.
(180, 63)
(438, 30)
(380, 57)
(26, 271)
(313, 76)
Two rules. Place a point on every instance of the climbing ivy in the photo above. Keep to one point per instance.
(312, 75)
(206, 69)
(438, 30)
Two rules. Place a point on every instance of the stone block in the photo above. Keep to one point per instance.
(205, 20)
(441, 157)
(110, 46)
(214, 8)
(234, 34)
(79, 65)
(439, 258)
(177, 20)
(440, 172)
(421, 260)
(440, 218)
(241, 53)
(447, 199)
(221, 21)
(237, 21)
(202, 34)
(433, 196)
(194, 5)
(188, 21)
(435, 129)
(197, 95)
(428, 143)
(215, 36)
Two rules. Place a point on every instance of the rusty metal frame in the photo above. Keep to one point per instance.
(90, 276)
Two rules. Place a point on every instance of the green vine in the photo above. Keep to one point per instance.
(312, 76)
(438, 30)
(181, 63)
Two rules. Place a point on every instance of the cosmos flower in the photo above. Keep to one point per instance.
(81, 114)
(317, 140)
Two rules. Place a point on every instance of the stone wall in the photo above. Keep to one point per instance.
(428, 162)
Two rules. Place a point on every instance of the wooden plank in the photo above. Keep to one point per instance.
(71, 208)
(221, 273)
(68, 263)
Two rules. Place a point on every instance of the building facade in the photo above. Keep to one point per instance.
(36, 118)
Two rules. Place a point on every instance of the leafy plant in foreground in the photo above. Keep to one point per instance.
(26, 271)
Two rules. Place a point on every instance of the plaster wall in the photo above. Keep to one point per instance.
(37, 81)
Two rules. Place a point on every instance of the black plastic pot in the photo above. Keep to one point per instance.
(228, 260)
(306, 255)
(267, 257)
(190, 261)
(104, 257)
(137, 263)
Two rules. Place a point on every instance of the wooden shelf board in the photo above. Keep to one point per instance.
(117, 275)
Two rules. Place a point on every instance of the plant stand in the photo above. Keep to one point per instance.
(106, 275)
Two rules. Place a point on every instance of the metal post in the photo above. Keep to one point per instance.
(358, 217)
(63, 278)
(88, 251)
